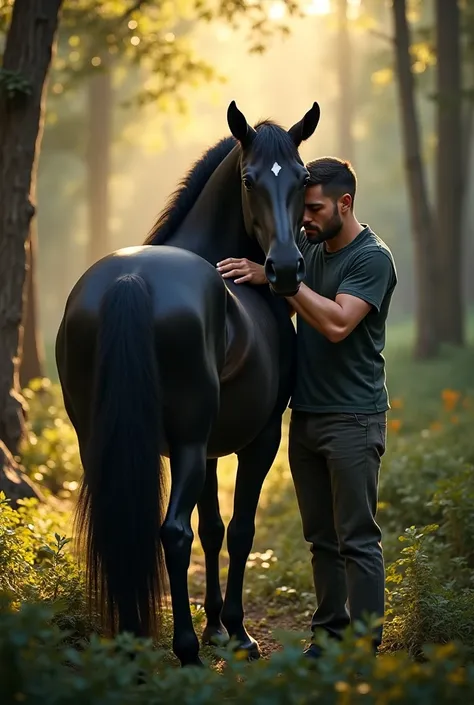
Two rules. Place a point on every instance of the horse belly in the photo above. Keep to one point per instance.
(246, 404)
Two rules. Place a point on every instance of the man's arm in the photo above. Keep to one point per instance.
(363, 288)
(334, 319)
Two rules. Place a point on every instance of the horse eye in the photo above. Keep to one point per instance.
(247, 183)
(306, 179)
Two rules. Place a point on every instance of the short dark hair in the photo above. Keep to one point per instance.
(335, 176)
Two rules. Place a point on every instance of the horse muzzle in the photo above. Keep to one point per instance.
(285, 274)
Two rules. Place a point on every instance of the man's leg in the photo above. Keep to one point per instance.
(313, 490)
(353, 446)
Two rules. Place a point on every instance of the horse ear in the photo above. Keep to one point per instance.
(305, 127)
(239, 126)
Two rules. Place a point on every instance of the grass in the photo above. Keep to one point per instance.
(420, 383)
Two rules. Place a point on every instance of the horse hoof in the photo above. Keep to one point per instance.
(250, 647)
(215, 636)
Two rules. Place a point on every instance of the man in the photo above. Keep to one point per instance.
(338, 424)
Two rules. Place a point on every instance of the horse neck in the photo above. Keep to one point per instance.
(214, 227)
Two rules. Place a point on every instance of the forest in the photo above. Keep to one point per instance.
(104, 107)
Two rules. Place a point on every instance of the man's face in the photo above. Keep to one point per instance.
(322, 219)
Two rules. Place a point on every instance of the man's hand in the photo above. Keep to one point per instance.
(244, 269)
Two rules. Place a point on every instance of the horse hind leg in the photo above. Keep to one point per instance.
(192, 393)
(211, 533)
(188, 470)
(188, 430)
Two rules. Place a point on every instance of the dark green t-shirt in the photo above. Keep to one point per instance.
(348, 376)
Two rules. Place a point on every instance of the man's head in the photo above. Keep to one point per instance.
(329, 200)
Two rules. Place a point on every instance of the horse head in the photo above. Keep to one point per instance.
(273, 184)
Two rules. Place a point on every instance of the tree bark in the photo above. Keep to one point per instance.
(345, 60)
(98, 164)
(467, 226)
(26, 61)
(421, 217)
(449, 174)
(32, 351)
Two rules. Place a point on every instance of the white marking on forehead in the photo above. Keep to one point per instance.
(276, 168)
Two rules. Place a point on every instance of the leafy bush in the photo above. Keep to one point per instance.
(427, 481)
(453, 500)
(35, 564)
(49, 451)
(38, 666)
(416, 462)
(424, 606)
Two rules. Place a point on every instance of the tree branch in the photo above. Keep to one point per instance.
(133, 8)
(382, 35)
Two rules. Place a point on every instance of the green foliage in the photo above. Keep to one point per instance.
(425, 602)
(426, 509)
(34, 563)
(50, 452)
(157, 36)
(13, 84)
(454, 501)
(37, 666)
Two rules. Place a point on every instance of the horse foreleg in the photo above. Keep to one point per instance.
(188, 471)
(211, 532)
(254, 463)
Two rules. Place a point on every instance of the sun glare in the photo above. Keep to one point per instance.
(318, 7)
(277, 10)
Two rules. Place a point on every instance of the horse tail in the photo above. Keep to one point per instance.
(120, 508)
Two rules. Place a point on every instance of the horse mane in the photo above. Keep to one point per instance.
(271, 138)
(185, 196)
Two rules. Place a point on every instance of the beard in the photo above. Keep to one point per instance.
(331, 229)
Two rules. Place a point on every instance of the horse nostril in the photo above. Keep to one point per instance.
(300, 270)
(270, 271)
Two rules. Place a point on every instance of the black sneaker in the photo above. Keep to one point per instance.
(313, 652)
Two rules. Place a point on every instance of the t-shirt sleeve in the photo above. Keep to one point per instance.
(369, 278)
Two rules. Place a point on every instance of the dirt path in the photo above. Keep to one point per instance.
(261, 619)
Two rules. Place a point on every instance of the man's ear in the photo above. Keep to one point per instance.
(346, 202)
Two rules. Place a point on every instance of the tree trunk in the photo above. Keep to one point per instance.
(467, 224)
(98, 164)
(32, 352)
(449, 173)
(421, 217)
(26, 62)
(345, 60)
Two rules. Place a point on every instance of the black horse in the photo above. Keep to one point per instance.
(159, 356)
